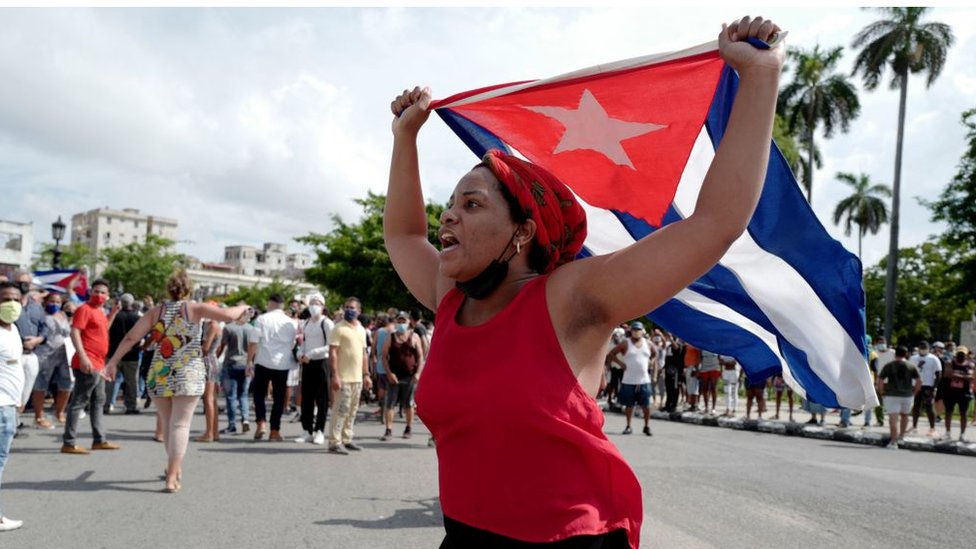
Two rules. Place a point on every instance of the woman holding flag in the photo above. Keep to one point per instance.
(512, 304)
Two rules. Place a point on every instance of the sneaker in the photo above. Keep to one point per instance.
(318, 438)
(245, 427)
(353, 446)
(338, 450)
(304, 438)
(932, 433)
(229, 430)
(407, 433)
(892, 446)
(77, 450)
(388, 435)
(295, 418)
(7, 524)
(627, 430)
(105, 445)
(647, 431)
(963, 439)
(108, 409)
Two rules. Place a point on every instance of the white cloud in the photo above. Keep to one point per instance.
(252, 125)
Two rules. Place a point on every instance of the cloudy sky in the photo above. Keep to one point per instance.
(250, 125)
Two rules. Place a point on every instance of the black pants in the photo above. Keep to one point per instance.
(462, 536)
(279, 384)
(671, 389)
(144, 363)
(315, 394)
(923, 401)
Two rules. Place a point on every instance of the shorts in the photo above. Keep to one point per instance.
(294, 377)
(213, 368)
(711, 375)
(898, 404)
(634, 394)
(401, 393)
(691, 382)
(382, 383)
(53, 371)
(953, 397)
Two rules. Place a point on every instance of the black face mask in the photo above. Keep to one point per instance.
(485, 282)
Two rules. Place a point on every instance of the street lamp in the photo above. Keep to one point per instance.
(57, 232)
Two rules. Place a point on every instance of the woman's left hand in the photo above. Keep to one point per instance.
(743, 56)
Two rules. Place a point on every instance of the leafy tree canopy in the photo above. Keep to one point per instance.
(352, 259)
(142, 268)
(257, 297)
(74, 255)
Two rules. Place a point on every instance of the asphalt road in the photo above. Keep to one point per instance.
(704, 487)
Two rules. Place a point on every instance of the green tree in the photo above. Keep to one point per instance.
(141, 268)
(817, 96)
(929, 302)
(352, 259)
(257, 297)
(73, 256)
(864, 207)
(906, 44)
(957, 206)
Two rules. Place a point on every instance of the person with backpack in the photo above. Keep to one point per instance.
(314, 358)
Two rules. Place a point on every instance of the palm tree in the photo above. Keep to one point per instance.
(865, 207)
(904, 43)
(817, 95)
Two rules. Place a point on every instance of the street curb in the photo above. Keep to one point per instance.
(838, 434)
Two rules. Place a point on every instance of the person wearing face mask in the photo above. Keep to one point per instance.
(635, 387)
(959, 391)
(403, 355)
(315, 371)
(89, 333)
(52, 357)
(33, 330)
(350, 373)
(269, 359)
(11, 379)
(930, 368)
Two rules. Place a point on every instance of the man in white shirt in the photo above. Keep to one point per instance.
(315, 370)
(270, 359)
(930, 368)
(11, 379)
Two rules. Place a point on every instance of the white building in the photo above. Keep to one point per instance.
(211, 280)
(106, 228)
(16, 245)
(272, 259)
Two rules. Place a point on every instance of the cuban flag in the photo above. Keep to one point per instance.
(61, 280)
(633, 139)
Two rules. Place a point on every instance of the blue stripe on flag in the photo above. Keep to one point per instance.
(785, 226)
(477, 138)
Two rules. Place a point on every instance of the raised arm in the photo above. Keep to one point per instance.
(728, 197)
(405, 217)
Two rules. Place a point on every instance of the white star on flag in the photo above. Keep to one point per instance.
(589, 127)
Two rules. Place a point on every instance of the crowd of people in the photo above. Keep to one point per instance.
(661, 371)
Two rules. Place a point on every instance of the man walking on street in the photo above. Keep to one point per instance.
(898, 382)
(234, 341)
(350, 371)
(270, 359)
(930, 368)
(129, 366)
(89, 334)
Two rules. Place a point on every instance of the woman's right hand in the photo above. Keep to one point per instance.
(410, 111)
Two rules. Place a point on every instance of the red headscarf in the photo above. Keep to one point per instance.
(560, 220)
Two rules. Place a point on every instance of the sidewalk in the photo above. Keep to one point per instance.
(873, 435)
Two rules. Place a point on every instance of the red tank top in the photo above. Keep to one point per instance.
(520, 445)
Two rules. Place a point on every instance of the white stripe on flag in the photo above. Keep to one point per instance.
(788, 301)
